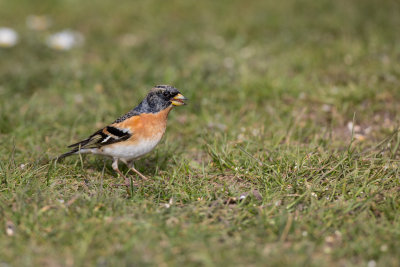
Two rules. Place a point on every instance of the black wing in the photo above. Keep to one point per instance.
(106, 136)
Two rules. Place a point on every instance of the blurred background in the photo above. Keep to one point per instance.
(230, 57)
(277, 90)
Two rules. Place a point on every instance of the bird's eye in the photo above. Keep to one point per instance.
(166, 93)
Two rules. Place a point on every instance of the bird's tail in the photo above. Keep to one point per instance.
(72, 152)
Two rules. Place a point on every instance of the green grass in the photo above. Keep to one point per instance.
(273, 87)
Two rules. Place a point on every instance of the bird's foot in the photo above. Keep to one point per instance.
(140, 174)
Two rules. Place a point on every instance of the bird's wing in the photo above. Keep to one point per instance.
(118, 131)
(106, 136)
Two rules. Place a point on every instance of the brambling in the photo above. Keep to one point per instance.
(134, 134)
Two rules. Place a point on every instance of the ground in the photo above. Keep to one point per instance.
(287, 154)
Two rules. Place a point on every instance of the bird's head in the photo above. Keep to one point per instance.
(161, 97)
(166, 95)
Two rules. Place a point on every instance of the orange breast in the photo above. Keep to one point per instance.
(146, 126)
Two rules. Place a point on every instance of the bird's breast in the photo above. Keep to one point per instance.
(131, 150)
(147, 131)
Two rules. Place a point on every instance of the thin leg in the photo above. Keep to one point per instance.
(132, 167)
(115, 168)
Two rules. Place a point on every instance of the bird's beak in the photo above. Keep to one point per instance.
(178, 100)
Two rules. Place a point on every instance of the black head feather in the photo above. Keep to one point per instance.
(159, 98)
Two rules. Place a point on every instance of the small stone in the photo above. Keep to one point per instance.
(8, 37)
(10, 228)
(65, 40)
(353, 128)
(326, 108)
(360, 137)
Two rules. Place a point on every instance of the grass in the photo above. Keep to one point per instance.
(288, 153)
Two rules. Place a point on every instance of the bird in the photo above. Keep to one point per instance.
(134, 134)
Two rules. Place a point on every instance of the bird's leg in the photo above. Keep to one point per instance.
(115, 168)
(132, 167)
